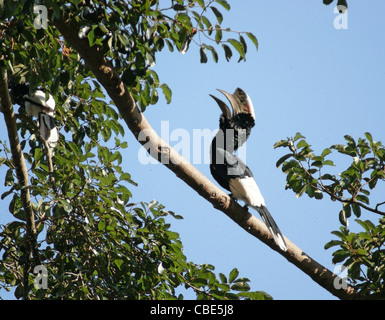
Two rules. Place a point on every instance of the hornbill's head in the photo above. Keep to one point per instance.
(18, 91)
(240, 103)
(34, 103)
(240, 117)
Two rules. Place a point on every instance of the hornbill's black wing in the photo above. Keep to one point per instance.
(234, 175)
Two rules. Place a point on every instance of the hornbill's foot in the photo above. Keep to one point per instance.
(232, 197)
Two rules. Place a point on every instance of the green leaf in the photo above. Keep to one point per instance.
(287, 166)
(184, 19)
(350, 139)
(203, 55)
(318, 194)
(342, 218)
(317, 163)
(243, 42)
(369, 137)
(339, 147)
(178, 7)
(356, 210)
(223, 278)
(328, 176)
(213, 52)
(297, 136)
(363, 199)
(167, 92)
(201, 3)
(228, 52)
(170, 45)
(224, 4)
(339, 234)
(240, 286)
(332, 244)
(5, 194)
(328, 163)
(65, 205)
(233, 275)
(365, 224)
(256, 295)
(301, 191)
(149, 60)
(199, 282)
(325, 152)
(91, 37)
(127, 43)
(347, 209)
(238, 46)
(218, 34)
(302, 144)
(206, 22)
(217, 13)
(281, 143)
(340, 256)
(283, 159)
(362, 252)
(176, 216)
(118, 263)
(253, 39)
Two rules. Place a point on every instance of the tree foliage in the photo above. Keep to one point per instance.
(93, 241)
(308, 173)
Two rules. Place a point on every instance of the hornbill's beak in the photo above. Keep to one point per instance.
(240, 103)
(225, 109)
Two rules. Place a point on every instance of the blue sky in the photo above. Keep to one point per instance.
(307, 76)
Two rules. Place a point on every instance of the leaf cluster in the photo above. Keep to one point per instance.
(129, 33)
(363, 254)
(208, 286)
(93, 241)
(306, 172)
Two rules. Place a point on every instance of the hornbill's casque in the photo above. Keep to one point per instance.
(229, 170)
(36, 104)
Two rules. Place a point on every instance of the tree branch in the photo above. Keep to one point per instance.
(137, 123)
(22, 176)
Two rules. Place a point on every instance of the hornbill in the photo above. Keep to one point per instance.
(36, 104)
(229, 170)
